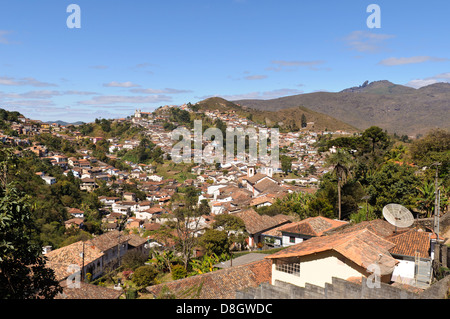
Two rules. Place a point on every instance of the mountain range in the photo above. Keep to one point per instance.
(393, 107)
(65, 123)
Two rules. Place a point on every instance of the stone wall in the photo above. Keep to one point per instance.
(444, 222)
(341, 289)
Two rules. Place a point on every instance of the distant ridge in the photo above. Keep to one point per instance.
(65, 123)
(289, 118)
(395, 108)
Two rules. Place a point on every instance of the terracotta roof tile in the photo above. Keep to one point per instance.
(219, 284)
(60, 259)
(314, 226)
(255, 223)
(87, 291)
(410, 242)
(363, 247)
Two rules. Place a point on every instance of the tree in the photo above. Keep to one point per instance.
(187, 223)
(23, 271)
(320, 207)
(163, 260)
(393, 183)
(286, 164)
(144, 276)
(215, 242)
(304, 122)
(203, 208)
(133, 259)
(204, 265)
(377, 138)
(341, 161)
(178, 272)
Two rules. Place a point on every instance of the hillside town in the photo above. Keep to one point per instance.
(287, 254)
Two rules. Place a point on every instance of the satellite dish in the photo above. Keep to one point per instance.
(398, 215)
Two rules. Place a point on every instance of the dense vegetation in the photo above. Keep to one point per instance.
(373, 170)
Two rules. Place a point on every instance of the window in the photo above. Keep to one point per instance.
(290, 268)
(292, 239)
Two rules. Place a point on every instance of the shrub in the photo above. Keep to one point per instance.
(144, 276)
(178, 272)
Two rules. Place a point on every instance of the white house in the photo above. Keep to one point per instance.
(343, 255)
(49, 179)
(356, 251)
(155, 178)
(108, 201)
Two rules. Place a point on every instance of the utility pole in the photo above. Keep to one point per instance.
(436, 202)
(82, 267)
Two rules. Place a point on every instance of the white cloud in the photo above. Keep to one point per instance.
(160, 91)
(3, 39)
(120, 99)
(365, 41)
(35, 104)
(73, 92)
(4, 80)
(265, 95)
(410, 60)
(121, 84)
(41, 94)
(256, 77)
(418, 83)
(284, 65)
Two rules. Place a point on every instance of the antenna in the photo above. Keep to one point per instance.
(398, 215)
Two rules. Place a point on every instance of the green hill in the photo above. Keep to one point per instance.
(288, 119)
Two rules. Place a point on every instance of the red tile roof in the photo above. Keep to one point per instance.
(363, 247)
(313, 226)
(219, 284)
(87, 291)
(255, 223)
(410, 242)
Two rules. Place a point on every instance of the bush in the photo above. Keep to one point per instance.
(134, 259)
(178, 272)
(127, 274)
(144, 276)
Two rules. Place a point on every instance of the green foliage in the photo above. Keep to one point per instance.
(178, 272)
(9, 116)
(133, 259)
(393, 184)
(205, 264)
(144, 276)
(146, 153)
(320, 206)
(364, 213)
(163, 260)
(215, 242)
(180, 116)
(23, 274)
(286, 163)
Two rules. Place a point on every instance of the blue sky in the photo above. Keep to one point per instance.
(140, 54)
